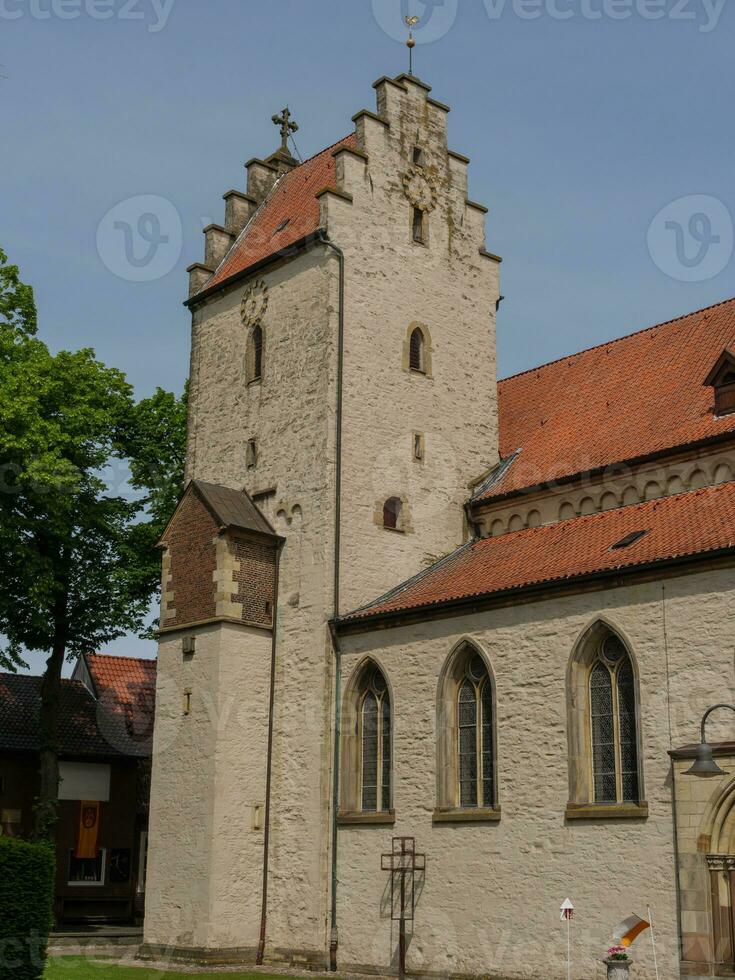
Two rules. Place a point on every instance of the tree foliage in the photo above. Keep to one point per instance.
(79, 560)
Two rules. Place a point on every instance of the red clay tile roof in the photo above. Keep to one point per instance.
(293, 198)
(622, 400)
(126, 687)
(85, 728)
(684, 525)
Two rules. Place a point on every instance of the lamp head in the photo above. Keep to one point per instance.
(704, 764)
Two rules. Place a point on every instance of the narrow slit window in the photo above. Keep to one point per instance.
(392, 513)
(254, 357)
(418, 156)
(417, 355)
(251, 455)
(418, 226)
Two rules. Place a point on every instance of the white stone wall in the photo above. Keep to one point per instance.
(451, 288)
(490, 903)
(205, 858)
(391, 282)
(290, 415)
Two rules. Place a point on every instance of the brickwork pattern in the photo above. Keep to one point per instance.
(255, 579)
(191, 563)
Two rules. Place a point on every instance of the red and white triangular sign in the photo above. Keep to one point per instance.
(567, 909)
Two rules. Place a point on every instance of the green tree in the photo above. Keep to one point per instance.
(78, 560)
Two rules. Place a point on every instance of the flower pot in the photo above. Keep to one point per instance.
(618, 969)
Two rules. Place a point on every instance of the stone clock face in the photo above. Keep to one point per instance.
(420, 187)
(254, 304)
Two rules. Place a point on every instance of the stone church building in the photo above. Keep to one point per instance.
(403, 601)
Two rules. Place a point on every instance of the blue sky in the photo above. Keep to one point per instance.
(600, 133)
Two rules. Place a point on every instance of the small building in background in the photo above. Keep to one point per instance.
(105, 744)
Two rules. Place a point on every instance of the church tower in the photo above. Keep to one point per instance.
(342, 400)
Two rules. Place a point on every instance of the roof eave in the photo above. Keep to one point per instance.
(290, 251)
(727, 436)
(368, 621)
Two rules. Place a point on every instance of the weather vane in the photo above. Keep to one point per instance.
(410, 23)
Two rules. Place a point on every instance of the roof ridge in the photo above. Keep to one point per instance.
(615, 340)
(319, 153)
(119, 656)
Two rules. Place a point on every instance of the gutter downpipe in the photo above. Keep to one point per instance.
(334, 935)
(269, 764)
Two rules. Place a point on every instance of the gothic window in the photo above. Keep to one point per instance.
(254, 356)
(604, 736)
(392, 509)
(475, 738)
(613, 725)
(366, 764)
(416, 356)
(466, 733)
(375, 742)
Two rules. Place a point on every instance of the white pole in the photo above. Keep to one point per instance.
(653, 942)
(569, 949)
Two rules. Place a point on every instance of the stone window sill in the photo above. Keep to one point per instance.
(466, 815)
(366, 817)
(604, 811)
(395, 530)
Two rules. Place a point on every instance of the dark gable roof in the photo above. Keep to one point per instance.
(232, 508)
(88, 728)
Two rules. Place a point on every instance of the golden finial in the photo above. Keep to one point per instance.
(410, 23)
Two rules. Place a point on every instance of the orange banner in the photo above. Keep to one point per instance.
(89, 828)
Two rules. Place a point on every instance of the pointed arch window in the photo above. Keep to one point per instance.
(367, 745)
(604, 727)
(466, 767)
(375, 737)
(613, 725)
(475, 736)
(417, 359)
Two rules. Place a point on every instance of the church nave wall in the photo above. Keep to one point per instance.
(491, 896)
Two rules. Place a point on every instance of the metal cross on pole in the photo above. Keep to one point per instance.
(403, 862)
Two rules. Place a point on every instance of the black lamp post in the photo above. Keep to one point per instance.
(704, 764)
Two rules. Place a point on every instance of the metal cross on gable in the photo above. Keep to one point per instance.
(403, 862)
(287, 126)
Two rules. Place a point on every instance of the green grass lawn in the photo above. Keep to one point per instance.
(83, 968)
